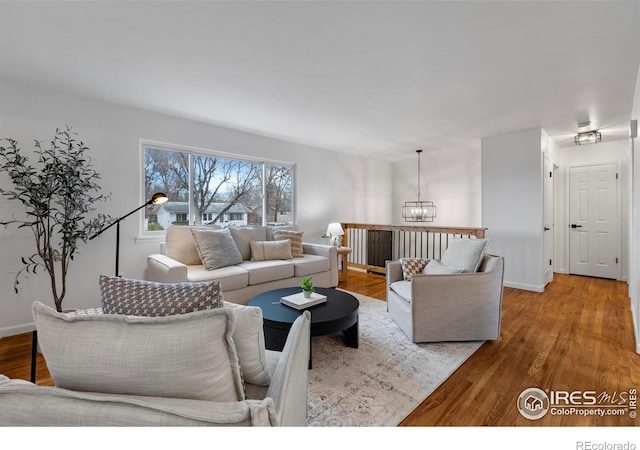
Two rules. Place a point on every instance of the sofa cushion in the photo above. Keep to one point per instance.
(179, 245)
(412, 266)
(216, 248)
(264, 271)
(270, 250)
(436, 267)
(310, 264)
(230, 278)
(147, 298)
(249, 339)
(294, 236)
(465, 253)
(188, 356)
(243, 236)
(25, 404)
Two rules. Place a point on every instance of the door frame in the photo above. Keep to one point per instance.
(567, 213)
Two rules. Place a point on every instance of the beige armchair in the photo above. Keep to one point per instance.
(448, 307)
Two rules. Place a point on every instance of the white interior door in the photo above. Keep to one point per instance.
(594, 234)
(548, 220)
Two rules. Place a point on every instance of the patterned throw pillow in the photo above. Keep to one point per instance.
(294, 236)
(412, 266)
(147, 298)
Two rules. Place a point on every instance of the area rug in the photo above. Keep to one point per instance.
(382, 381)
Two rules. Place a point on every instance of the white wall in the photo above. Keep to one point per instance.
(450, 178)
(331, 187)
(601, 153)
(512, 204)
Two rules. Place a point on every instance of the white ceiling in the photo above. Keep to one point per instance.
(377, 78)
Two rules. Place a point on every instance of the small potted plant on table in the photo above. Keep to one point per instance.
(307, 286)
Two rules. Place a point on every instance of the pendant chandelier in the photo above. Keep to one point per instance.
(419, 211)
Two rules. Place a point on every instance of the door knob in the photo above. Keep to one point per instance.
(573, 225)
(546, 228)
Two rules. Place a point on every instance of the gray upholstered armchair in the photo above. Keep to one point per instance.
(448, 307)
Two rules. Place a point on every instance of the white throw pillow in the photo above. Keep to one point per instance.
(249, 339)
(465, 253)
(190, 356)
(436, 267)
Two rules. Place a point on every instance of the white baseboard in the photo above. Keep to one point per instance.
(524, 287)
(17, 329)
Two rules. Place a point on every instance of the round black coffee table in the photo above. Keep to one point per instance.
(338, 314)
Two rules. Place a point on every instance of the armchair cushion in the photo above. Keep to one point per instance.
(147, 298)
(412, 266)
(216, 248)
(250, 345)
(465, 253)
(189, 356)
(436, 267)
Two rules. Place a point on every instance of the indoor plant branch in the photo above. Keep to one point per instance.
(58, 194)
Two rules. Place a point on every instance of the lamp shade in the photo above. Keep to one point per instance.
(335, 229)
(158, 199)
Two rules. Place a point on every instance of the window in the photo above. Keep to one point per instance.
(206, 188)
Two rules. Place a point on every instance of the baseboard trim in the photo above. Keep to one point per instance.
(17, 329)
(524, 287)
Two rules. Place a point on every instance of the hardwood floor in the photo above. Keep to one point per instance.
(576, 336)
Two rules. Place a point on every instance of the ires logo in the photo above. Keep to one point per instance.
(535, 403)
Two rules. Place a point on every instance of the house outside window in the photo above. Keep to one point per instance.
(208, 188)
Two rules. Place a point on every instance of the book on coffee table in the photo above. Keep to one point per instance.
(299, 301)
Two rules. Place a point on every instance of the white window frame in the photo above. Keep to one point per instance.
(197, 151)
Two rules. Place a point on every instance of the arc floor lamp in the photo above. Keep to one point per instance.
(157, 199)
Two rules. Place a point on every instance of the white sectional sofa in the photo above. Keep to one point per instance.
(180, 261)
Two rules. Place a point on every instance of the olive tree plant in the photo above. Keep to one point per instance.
(59, 194)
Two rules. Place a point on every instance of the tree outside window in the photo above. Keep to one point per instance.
(206, 189)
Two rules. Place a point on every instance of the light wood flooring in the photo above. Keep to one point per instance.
(577, 335)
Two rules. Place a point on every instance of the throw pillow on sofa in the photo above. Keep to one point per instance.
(270, 250)
(216, 248)
(147, 298)
(294, 236)
(188, 356)
(243, 236)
